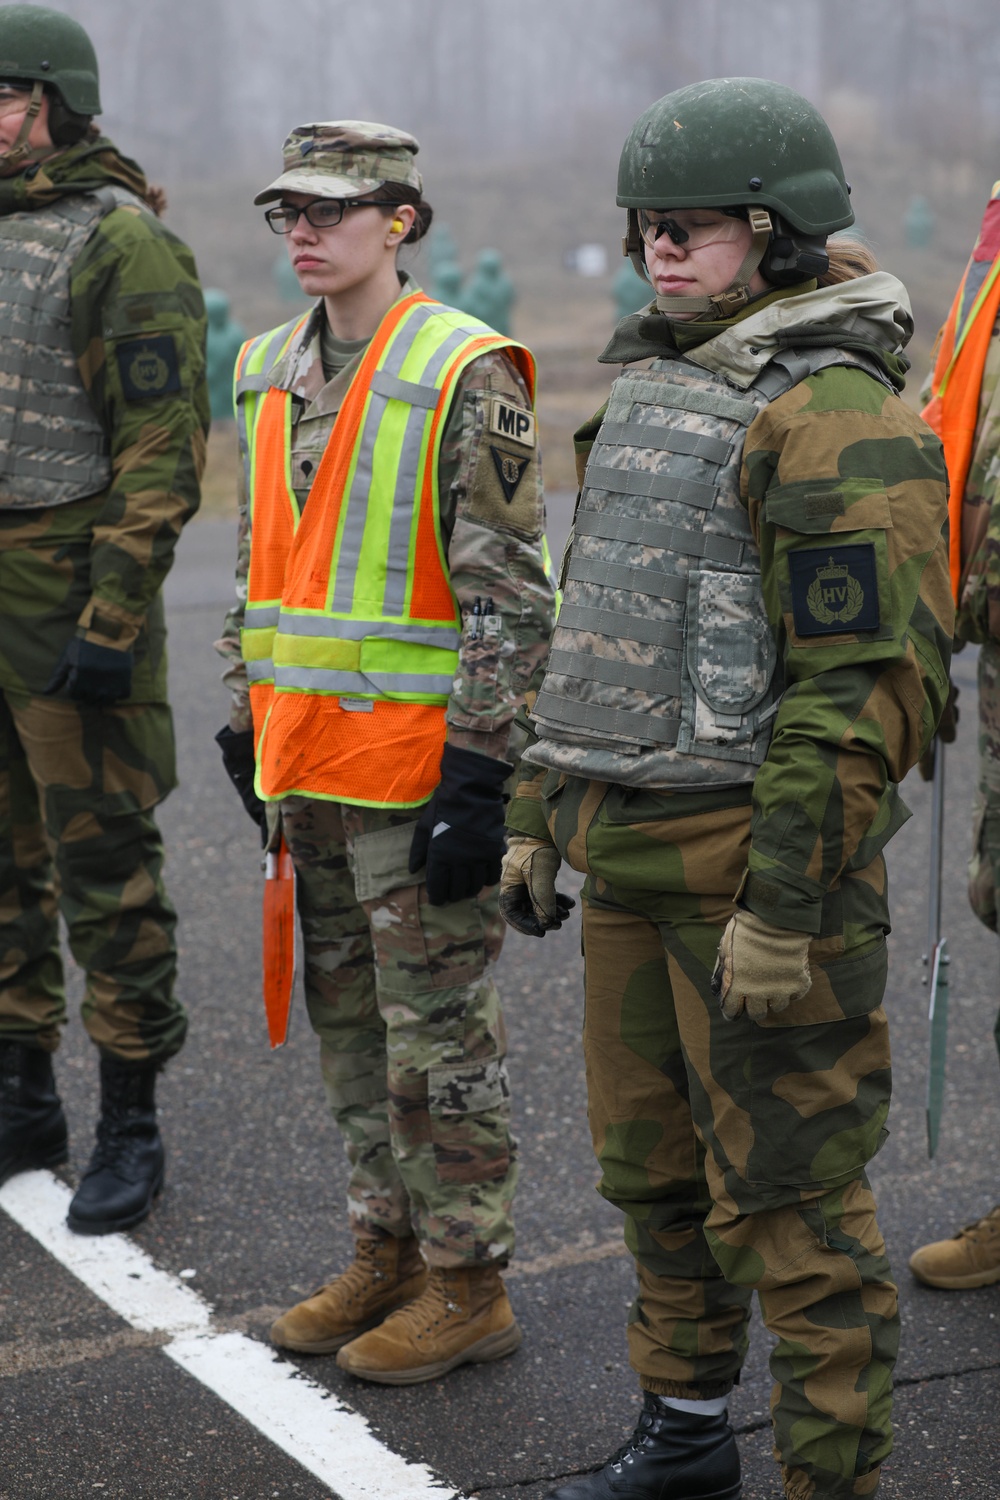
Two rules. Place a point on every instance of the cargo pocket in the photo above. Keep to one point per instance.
(819, 1076)
(728, 685)
(831, 551)
(418, 947)
(469, 1108)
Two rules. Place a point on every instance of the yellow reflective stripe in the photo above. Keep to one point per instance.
(256, 644)
(317, 651)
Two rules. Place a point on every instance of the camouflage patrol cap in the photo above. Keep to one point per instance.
(343, 159)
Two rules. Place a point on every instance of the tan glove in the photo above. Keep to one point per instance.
(760, 967)
(529, 901)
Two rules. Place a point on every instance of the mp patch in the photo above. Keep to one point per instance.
(512, 422)
(148, 367)
(834, 591)
(510, 470)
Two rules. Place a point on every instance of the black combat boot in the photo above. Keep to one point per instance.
(32, 1123)
(672, 1455)
(126, 1170)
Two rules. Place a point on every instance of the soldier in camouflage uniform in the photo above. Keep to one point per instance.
(971, 1257)
(751, 652)
(103, 421)
(396, 893)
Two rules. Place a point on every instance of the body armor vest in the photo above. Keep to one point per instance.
(53, 449)
(663, 671)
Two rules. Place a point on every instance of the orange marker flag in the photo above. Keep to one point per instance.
(279, 941)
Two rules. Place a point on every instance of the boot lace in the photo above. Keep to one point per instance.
(357, 1279)
(987, 1227)
(438, 1304)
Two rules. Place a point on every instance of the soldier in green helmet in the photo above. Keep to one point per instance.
(751, 652)
(103, 423)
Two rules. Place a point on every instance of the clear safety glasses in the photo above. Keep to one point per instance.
(694, 228)
(322, 213)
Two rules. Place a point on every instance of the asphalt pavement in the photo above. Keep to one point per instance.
(253, 1211)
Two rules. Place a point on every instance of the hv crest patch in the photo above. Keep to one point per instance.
(510, 470)
(834, 591)
(148, 367)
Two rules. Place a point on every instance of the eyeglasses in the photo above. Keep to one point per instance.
(694, 228)
(321, 213)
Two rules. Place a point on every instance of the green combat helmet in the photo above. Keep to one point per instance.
(48, 50)
(753, 148)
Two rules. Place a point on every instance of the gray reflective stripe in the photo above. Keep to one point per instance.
(326, 680)
(635, 580)
(615, 673)
(261, 670)
(261, 616)
(666, 634)
(668, 439)
(686, 398)
(398, 552)
(401, 525)
(611, 721)
(252, 383)
(658, 534)
(394, 389)
(401, 345)
(323, 627)
(653, 486)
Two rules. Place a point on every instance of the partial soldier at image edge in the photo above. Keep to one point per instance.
(103, 426)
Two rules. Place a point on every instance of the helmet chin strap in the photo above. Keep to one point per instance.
(20, 152)
(723, 304)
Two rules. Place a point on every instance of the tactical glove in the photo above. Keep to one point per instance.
(92, 674)
(238, 760)
(760, 968)
(460, 833)
(529, 901)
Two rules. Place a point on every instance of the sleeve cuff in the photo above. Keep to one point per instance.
(784, 898)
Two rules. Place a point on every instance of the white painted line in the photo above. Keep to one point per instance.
(301, 1418)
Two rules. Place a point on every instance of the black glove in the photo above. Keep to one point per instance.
(460, 833)
(238, 759)
(92, 674)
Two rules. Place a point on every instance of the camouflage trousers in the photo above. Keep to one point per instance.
(77, 835)
(984, 864)
(737, 1151)
(412, 1041)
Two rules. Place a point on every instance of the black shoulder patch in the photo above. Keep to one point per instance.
(148, 367)
(510, 467)
(834, 589)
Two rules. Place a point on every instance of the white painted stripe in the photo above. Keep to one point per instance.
(300, 1417)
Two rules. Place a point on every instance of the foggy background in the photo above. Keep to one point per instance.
(521, 109)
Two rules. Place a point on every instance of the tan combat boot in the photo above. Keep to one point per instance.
(463, 1317)
(971, 1258)
(383, 1275)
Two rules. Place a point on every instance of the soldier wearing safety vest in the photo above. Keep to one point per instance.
(397, 604)
(751, 652)
(103, 424)
(964, 408)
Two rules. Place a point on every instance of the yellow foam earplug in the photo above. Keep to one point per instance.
(397, 225)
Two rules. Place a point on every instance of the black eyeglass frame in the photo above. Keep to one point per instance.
(286, 209)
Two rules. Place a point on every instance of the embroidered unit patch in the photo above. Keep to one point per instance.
(148, 367)
(510, 468)
(834, 590)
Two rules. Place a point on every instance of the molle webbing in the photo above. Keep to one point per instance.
(53, 449)
(663, 670)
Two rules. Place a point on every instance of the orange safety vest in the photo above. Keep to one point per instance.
(956, 385)
(352, 627)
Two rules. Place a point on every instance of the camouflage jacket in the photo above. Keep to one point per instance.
(838, 454)
(133, 287)
(493, 535)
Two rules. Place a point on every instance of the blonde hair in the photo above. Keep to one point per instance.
(848, 259)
